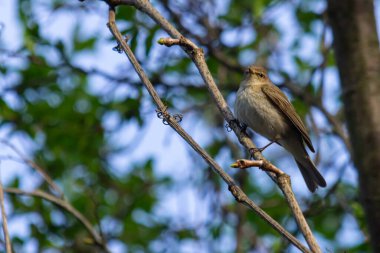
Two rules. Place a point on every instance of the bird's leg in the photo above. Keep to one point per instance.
(253, 150)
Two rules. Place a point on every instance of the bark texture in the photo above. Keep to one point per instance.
(357, 54)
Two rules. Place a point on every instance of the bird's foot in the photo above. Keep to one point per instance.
(242, 126)
(252, 151)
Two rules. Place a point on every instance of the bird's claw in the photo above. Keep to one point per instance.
(252, 151)
(242, 126)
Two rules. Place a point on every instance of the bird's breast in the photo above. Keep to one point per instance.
(253, 108)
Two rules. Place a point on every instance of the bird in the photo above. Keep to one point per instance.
(263, 107)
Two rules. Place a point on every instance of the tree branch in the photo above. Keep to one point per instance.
(8, 245)
(196, 54)
(283, 181)
(191, 49)
(35, 166)
(65, 205)
(244, 164)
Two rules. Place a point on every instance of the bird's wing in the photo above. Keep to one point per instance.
(281, 101)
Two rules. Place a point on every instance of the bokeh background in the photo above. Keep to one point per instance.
(76, 107)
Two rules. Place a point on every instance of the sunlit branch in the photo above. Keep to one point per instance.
(197, 55)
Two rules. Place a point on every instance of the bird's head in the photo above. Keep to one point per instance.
(256, 73)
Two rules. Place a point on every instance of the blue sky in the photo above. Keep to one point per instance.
(157, 140)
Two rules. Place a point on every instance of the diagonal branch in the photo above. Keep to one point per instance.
(196, 54)
(239, 195)
(65, 205)
(35, 166)
(8, 245)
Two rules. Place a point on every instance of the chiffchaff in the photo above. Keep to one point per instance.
(264, 108)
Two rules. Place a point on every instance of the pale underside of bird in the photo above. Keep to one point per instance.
(265, 109)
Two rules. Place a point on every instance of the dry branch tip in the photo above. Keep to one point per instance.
(262, 164)
(185, 43)
(244, 164)
(168, 42)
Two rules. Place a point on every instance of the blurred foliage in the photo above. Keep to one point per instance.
(55, 105)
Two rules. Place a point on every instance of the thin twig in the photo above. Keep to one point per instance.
(8, 244)
(65, 205)
(244, 164)
(239, 195)
(35, 166)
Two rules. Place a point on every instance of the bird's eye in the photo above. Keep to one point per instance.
(261, 75)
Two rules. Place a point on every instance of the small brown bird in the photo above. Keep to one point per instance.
(264, 108)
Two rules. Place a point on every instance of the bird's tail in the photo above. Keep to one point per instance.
(310, 174)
